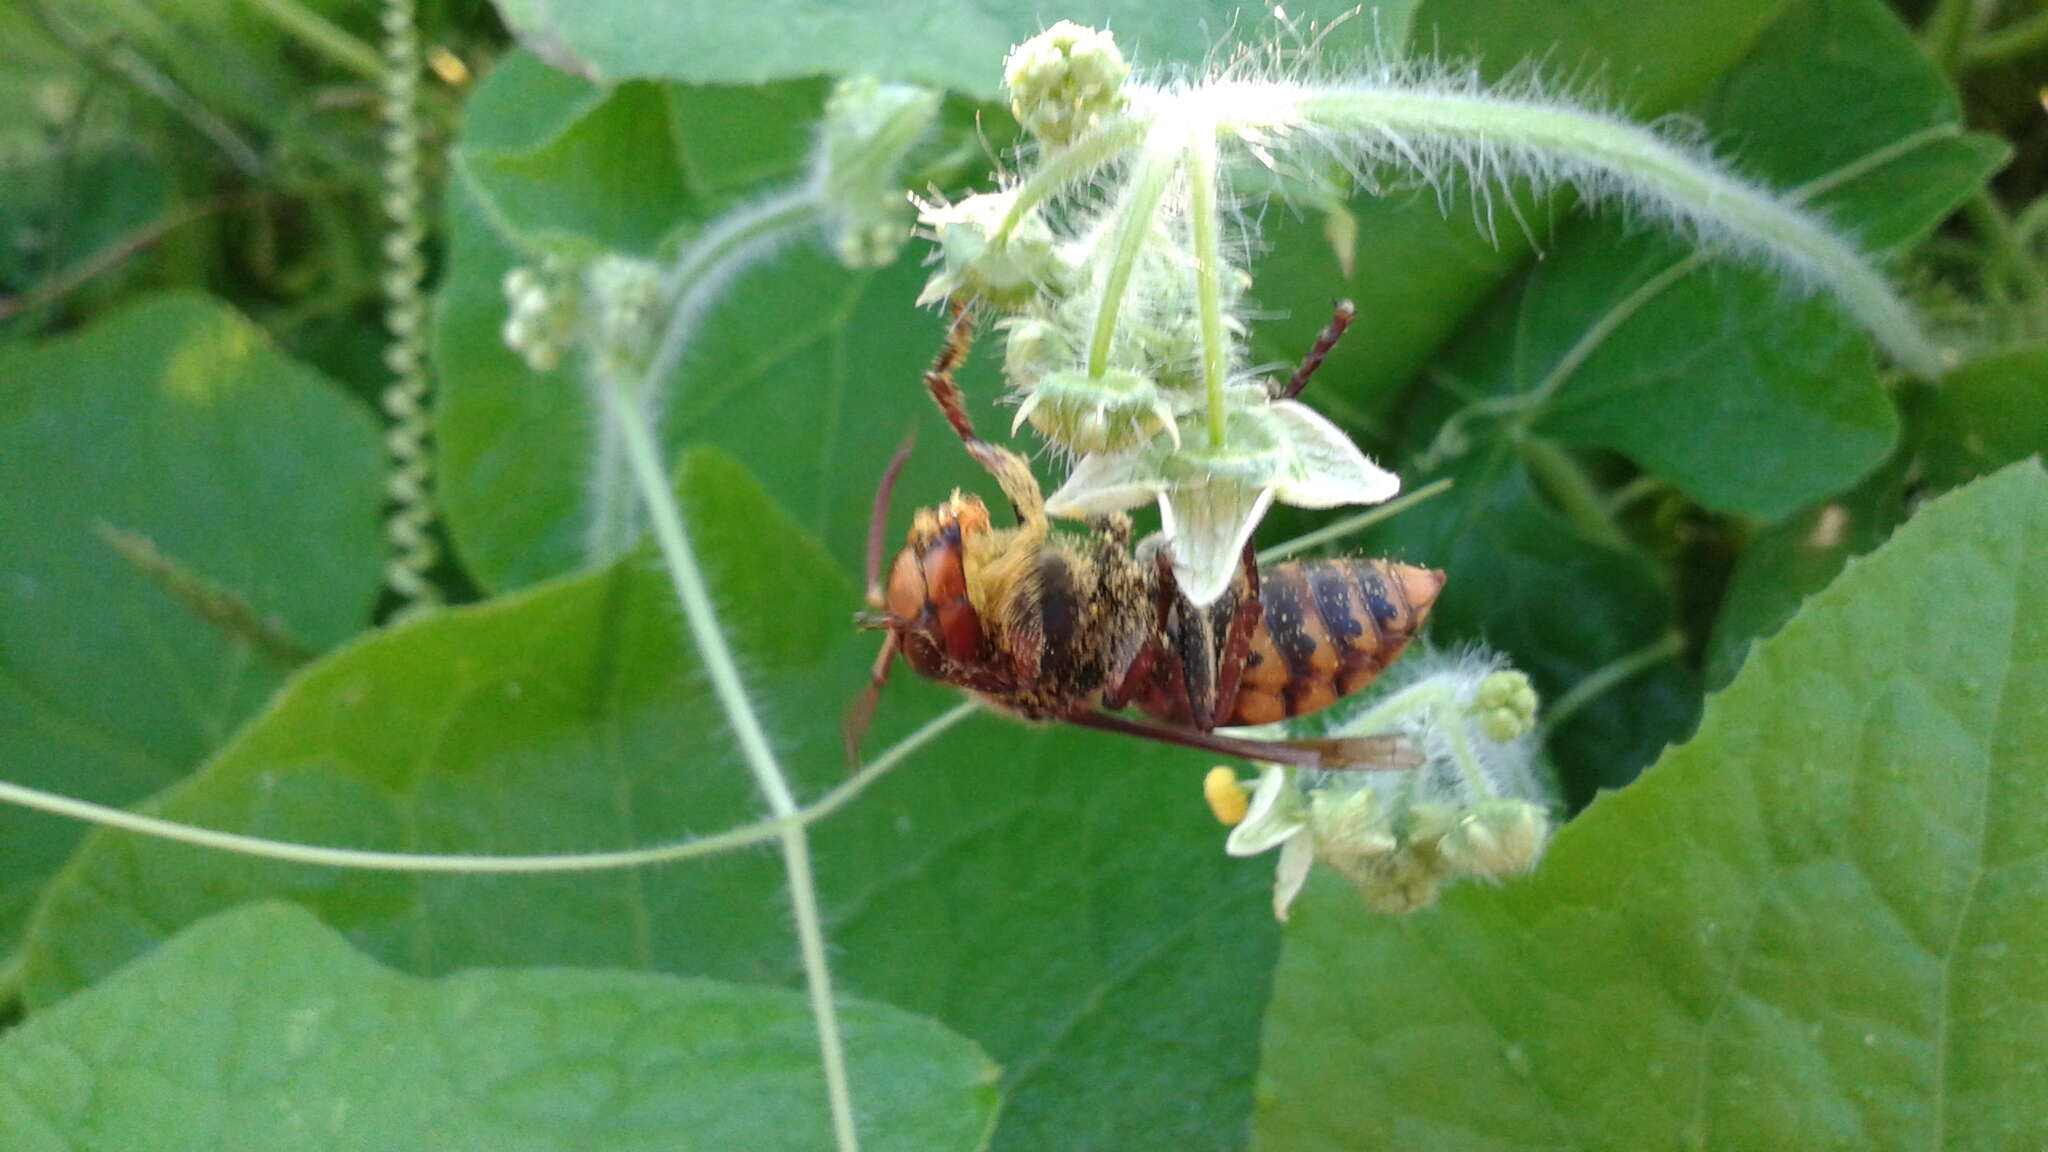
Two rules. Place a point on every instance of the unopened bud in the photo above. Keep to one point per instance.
(1495, 839)
(1504, 704)
(869, 128)
(1065, 80)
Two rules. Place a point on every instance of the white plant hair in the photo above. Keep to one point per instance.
(1387, 124)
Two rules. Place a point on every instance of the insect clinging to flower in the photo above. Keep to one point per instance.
(1055, 626)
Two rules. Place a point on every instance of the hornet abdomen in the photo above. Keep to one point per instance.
(1328, 628)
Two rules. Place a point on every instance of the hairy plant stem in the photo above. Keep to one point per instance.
(1646, 164)
(1401, 705)
(688, 288)
(652, 479)
(1206, 222)
(364, 860)
(1134, 222)
(703, 270)
(1093, 150)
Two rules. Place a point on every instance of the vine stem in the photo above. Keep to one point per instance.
(728, 245)
(688, 289)
(1645, 167)
(2021, 38)
(666, 516)
(1206, 222)
(292, 852)
(1134, 220)
(323, 36)
(1095, 150)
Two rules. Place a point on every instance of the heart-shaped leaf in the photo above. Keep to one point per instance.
(261, 1028)
(1815, 925)
(176, 427)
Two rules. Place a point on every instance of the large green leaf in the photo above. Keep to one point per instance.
(1749, 399)
(178, 422)
(1060, 897)
(261, 1028)
(1815, 925)
(1981, 416)
(954, 46)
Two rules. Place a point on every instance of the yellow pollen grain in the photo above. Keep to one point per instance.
(1226, 797)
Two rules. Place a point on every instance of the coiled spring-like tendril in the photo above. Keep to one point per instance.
(408, 528)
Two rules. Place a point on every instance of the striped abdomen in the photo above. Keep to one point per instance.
(1328, 628)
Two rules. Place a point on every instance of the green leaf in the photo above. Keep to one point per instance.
(70, 209)
(607, 41)
(175, 421)
(1784, 563)
(1060, 897)
(1984, 415)
(1815, 925)
(261, 1028)
(1751, 400)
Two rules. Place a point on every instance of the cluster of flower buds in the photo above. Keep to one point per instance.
(542, 304)
(606, 307)
(1473, 807)
(1120, 300)
(869, 128)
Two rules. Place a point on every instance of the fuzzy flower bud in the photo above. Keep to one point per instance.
(622, 296)
(1504, 704)
(1470, 808)
(869, 128)
(975, 267)
(1352, 833)
(1495, 839)
(1064, 80)
(542, 309)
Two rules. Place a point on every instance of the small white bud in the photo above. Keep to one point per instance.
(1064, 80)
(542, 306)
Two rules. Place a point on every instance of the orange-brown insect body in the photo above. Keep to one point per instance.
(1325, 629)
(1076, 628)
(1042, 627)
